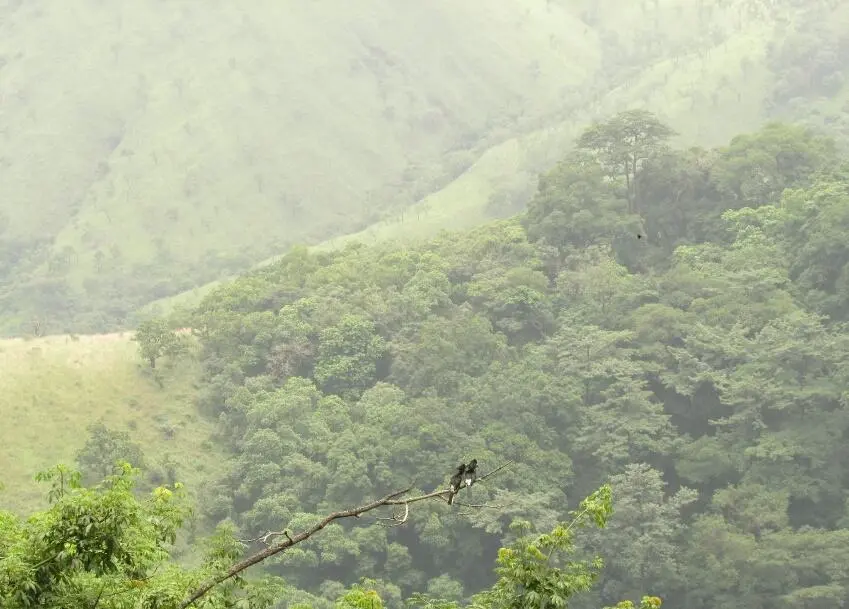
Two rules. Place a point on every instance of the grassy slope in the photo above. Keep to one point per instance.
(679, 91)
(54, 387)
(176, 131)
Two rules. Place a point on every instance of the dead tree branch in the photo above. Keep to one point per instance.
(280, 546)
(396, 520)
(287, 543)
(495, 471)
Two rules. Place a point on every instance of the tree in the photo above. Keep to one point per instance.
(104, 448)
(575, 206)
(814, 224)
(619, 419)
(623, 143)
(755, 168)
(104, 547)
(534, 571)
(546, 346)
(348, 354)
(156, 339)
(641, 540)
(679, 202)
(399, 502)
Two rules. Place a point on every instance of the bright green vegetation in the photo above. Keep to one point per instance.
(173, 162)
(53, 388)
(671, 322)
(105, 546)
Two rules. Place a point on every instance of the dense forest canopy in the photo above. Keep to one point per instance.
(671, 322)
(671, 318)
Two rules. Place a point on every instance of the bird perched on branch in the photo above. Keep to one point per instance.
(471, 473)
(456, 482)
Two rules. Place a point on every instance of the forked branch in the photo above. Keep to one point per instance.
(291, 540)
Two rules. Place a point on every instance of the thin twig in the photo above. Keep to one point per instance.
(480, 505)
(264, 538)
(397, 521)
(495, 471)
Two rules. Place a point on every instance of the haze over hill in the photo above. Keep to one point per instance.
(151, 147)
(660, 309)
(194, 138)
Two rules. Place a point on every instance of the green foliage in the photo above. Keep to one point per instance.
(156, 339)
(533, 572)
(575, 206)
(623, 143)
(808, 62)
(348, 354)
(690, 369)
(105, 546)
(756, 168)
(670, 321)
(104, 448)
(360, 597)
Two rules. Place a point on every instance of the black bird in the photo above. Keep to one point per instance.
(456, 482)
(471, 474)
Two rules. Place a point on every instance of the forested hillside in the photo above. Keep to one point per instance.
(635, 334)
(668, 321)
(150, 148)
(678, 329)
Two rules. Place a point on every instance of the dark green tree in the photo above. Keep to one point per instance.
(104, 448)
(156, 339)
(623, 143)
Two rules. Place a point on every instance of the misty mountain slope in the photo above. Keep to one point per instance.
(709, 92)
(163, 134)
(151, 148)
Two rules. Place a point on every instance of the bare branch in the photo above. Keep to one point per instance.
(417, 498)
(390, 499)
(469, 512)
(495, 471)
(288, 543)
(480, 505)
(397, 522)
(263, 539)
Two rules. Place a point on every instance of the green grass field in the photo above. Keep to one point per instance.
(53, 387)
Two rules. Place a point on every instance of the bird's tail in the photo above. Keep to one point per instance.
(450, 498)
